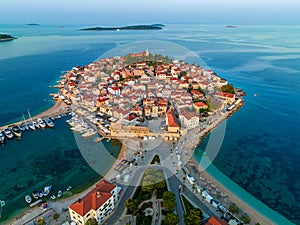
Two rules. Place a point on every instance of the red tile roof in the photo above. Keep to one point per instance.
(94, 199)
(172, 122)
(214, 221)
(200, 104)
(224, 94)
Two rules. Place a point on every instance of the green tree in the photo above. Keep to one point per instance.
(234, 209)
(245, 218)
(55, 216)
(131, 205)
(228, 88)
(153, 179)
(257, 223)
(91, 221)
(171, 219)
(168, 195)
(193, 217)
(169, 205)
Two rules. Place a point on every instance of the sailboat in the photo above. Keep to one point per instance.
(25, 125)
(31, 125)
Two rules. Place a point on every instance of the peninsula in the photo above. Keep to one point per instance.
(146, 99)
(6, 37)
(132, 27)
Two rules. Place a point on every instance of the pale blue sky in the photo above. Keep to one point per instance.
(154, 11)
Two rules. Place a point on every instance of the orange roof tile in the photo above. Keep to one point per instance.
(94, 199)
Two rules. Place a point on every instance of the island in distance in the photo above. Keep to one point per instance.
(132, 27)
(6, 37)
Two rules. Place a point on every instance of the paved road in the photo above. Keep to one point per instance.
(173, 183)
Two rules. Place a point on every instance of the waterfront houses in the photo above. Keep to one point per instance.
(140, 87)
(98, 203)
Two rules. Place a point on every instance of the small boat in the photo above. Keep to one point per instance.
(59, 194)
(47, 190)
(28, 199)
(22, 128)
(31, 126)
(2, 138)
(36, 124)
(35, 194)
(69, 188)
(8, 133)
(40, 193)
(53, 197)
(26, 126)
(49, 123)
(41, 123)
(16, 131)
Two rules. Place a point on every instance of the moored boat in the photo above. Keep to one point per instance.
(35, 194)
(31, 126)
(28, 199)
(36, 124)
(41, 123)
(53, 197)
(49, 123)
(69, 188)
(8, 133)
(16, 131)
(47, 190)
(2, 138)
(22, 128)
(59, 194)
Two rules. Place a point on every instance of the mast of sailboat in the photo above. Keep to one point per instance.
(29, 115)
(23, 118)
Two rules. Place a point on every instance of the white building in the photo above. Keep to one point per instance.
(97, 204)
(189, 120)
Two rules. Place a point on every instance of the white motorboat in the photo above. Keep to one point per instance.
(31, 126)
(2, 138)
(59, 194)
(53, 197)
(8, 133)
(16, 131)
(49, 123)
(36, 124)
(28, 199)
(69, 188)
(47, 190)
(41, 123)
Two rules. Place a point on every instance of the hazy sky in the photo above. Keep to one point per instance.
(154, 11)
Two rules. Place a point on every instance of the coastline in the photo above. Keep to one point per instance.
(58, 206)
(213, 175)
(58, 108)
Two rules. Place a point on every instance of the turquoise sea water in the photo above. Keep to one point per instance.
(260, 151)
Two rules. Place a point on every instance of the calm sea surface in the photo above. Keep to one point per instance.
(260, 151)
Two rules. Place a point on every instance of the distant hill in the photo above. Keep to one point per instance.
(133, 27)
(33, 24)
(6, 37)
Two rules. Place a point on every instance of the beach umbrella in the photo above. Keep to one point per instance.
(218, 190)
(223, 194)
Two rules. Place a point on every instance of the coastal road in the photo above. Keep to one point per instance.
(173, 182)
